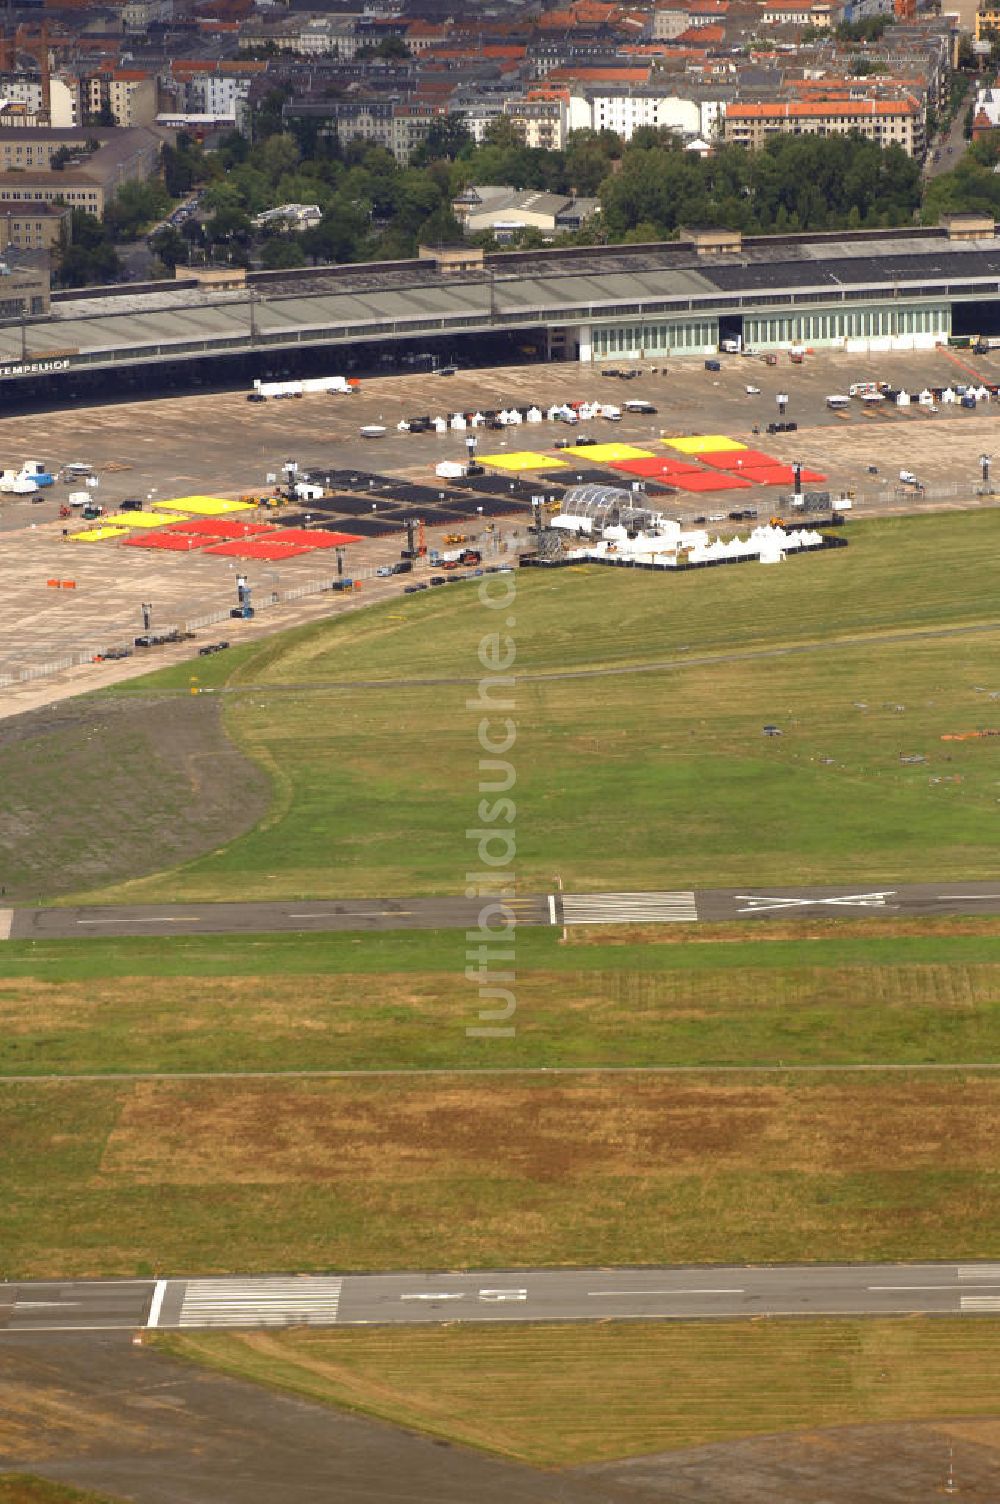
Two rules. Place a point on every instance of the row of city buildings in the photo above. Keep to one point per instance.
(385, 70)
(89, 92)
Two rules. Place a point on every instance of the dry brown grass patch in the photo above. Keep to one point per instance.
(576, 1130)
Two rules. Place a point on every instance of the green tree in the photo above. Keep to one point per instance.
(282, 251)
(135, 206)
(339, 233)
(229, 228)
(169, 244)
(277, 155)
(387, 47)
(447, 137)
(91, 257)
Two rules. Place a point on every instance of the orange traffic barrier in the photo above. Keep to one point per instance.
(69, 584)
(54, 584)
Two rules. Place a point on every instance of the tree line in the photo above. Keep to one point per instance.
(375, 208)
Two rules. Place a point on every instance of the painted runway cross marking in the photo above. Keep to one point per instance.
(760, 903)
(629, 908)
(261, 1302)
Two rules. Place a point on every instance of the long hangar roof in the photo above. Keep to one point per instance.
(349, 303)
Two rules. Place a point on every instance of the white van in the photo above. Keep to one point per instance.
(838, 401)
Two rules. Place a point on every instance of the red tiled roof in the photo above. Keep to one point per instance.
(795, 111)
(703, 36)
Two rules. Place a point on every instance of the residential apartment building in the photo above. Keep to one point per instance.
(140, 15)
(816, 13)
(215, 89)
(130, 94)
(623, 111)
(24, 93)
(305, 36)
(987, 22)
(542, 123)
(410, 124)
(898, 122)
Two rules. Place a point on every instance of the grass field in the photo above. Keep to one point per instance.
(230, 1175)
(629, 779)
(25, 1488)
(565, 1395)
(402, 1002)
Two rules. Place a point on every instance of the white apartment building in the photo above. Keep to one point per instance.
(215, 94)
(625, 110)
(25, 90)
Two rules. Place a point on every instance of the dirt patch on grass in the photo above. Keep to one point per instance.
(580, 1131)
(878, 1464)
(98, 790)
(32, 1410)
(747, 931)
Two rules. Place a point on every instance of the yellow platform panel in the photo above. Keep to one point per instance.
(608, 454)
(97, 534)
(523, 459)
(204, 506)
(704, 443)
(144, 519)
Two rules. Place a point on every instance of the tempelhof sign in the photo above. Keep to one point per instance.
(35, 368)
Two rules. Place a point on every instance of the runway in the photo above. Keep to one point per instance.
(710, 906)
(108, 1306)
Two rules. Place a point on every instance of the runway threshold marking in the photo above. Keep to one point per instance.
(980, 1302)
(156, 1304)
(552, 909)
(6, 921)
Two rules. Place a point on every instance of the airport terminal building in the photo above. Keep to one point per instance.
(860, 291)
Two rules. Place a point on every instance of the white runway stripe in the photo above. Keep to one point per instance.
(629, 908)
(260, 1302)
(979, 1271)
(6, 920)
(981, 1302)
